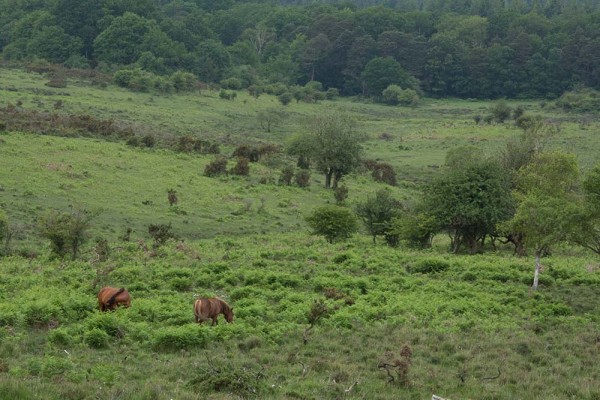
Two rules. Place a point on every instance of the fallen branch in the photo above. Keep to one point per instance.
(350, 388)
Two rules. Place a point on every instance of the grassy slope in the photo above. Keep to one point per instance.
(475, 329)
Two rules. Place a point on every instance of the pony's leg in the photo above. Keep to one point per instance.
(215, 322)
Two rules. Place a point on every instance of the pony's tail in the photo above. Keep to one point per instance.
(111, 301)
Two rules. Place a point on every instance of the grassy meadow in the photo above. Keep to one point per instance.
(386, 323)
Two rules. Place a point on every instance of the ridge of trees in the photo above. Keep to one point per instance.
(478, 49)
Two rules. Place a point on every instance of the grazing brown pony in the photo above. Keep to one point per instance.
(109, 298)
(205, 309)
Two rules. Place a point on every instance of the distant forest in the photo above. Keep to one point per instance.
(441, 48)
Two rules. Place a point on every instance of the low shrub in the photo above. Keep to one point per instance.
(60, 337)
(41, 314)
(96, 338)
(180, 337)
(428, 266)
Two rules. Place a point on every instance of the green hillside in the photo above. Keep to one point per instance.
(353, 319)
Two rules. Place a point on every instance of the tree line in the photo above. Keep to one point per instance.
(475, 49)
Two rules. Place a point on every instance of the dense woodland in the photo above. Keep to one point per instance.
(468, 49)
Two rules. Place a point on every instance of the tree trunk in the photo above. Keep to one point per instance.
(328, 179)
(336, 178)
(536, 275)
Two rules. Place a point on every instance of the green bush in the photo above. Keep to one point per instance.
(231, 83)
(180, 337)
(333, 222)
(112, 323)
(183, 81)
(245, 381)
(428, 266)
(54, 366)
(580, 100)
(41, 313)
(96, 338)
(60, 337)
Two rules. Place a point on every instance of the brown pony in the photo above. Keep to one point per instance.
(109, 298)
(205, 309)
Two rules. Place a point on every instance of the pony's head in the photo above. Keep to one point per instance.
(228, 313)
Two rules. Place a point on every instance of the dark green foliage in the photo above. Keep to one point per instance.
(381, 72)
(332, 93)
(417, 229)
(270, 118)
(66, 231)
(333, 143)
(287, 174)
(227, 95)
(468, 200)
(428, 266)
(231, 83)
(476, 51)
(285, 98)
(341, 194)
(333, 222)
(377, 212)
(302, 178)
(183, 81)
(501, 112)
(160, 233)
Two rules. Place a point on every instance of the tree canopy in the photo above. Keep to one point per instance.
(472, 49)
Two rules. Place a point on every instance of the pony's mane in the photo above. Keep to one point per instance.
(111, 301)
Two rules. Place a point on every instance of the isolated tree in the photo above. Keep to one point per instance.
(270, 118)
(332, 222)
(333, 144)
(160, 233)
(377, 212)
(468, 201)
(67, 231)
(287, 174)
(548, 204)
